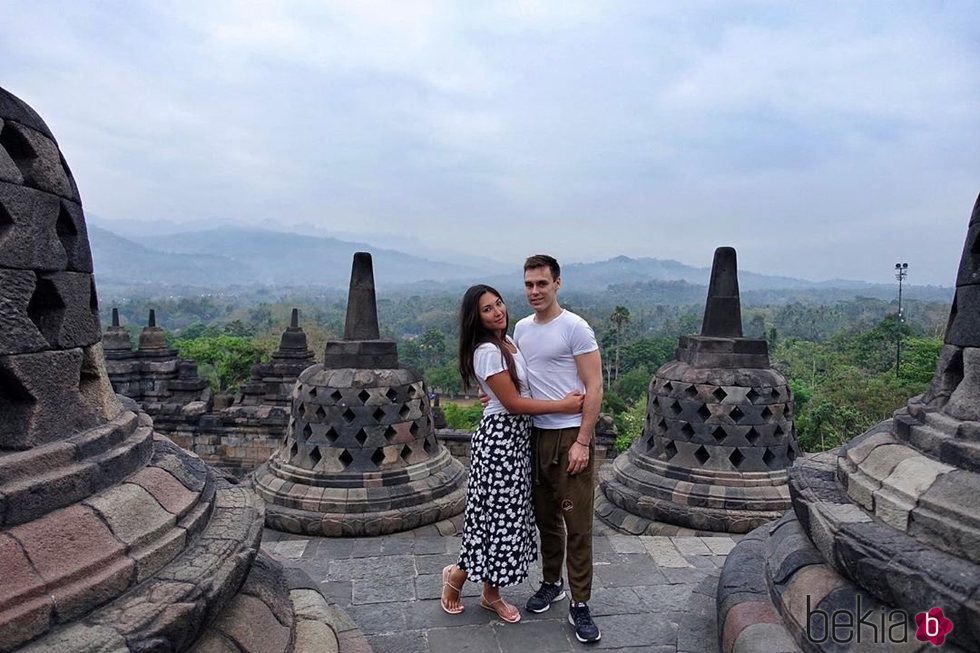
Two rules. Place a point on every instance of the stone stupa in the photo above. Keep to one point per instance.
(112, 538)
(718, 435)
(884, 532)
(360, 455)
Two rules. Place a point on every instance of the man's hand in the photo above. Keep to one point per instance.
(578, 458)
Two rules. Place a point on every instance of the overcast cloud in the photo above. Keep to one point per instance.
(820, 139)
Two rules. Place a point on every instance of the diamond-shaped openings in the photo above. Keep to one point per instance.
(719, 394)
(687, 431)
(378, 414)
(332, 435)
(766, 412)
(791, 453)
(93, 297)
(661, 425)
(414, 429)
(428, 446)
(46, 309)
(66, 230)
(361, 436)
(307, 432)
(312, 392)
(752, 395)
(390, 432)
(404, 411)
(668, 387)
(719, 434)
(752, 435)
(675, 407)
(392, 395)
(736, 458)
(363, 396)
(779, 431)
(319, 413)
(691, 391)
(316, 456)
(293, 451)
(6, 222)
(349, 415)
(405, 453)
(335, 396)
(768, 457)
(702, 455)
(378, 457)
(704, 413)
(736, 414)
(18, 148)
(413, 391)
(345, 458)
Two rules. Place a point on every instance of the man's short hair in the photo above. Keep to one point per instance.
(543, 261)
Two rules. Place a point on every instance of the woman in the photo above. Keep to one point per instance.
(498, 531)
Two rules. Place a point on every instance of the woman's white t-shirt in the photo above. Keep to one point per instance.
(489, 360)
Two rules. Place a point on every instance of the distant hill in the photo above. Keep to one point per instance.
(230, 256)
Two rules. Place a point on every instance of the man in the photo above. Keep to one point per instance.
(562, 356)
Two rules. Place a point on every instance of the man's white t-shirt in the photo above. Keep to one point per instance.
(489, 360)
(549, 351)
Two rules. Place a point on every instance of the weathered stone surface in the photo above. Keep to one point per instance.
(38, 159)
(30, 238)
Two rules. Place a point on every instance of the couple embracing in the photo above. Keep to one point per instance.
(532, 455)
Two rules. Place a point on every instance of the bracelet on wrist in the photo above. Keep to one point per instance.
(584, 444)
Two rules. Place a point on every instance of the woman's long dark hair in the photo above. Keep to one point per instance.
(472, 334)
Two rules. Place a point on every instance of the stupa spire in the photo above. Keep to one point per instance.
(723, 310)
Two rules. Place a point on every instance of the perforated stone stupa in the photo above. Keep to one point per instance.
(718, 435)
(888, 522)
(112, 538)
(360, 456)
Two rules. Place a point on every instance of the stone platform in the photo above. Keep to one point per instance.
(651, 594)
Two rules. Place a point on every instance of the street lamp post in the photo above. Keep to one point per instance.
(901, 271)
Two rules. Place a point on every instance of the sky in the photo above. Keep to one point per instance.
(820, 139)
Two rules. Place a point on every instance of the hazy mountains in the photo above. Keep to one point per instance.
(235, 256)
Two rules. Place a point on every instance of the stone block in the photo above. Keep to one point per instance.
(38, 158)
(28, 219)
(18, 333)
(166, 489)
(9, 171)
(73, 235)
(964, 326)
(25, 606)
(40, 399)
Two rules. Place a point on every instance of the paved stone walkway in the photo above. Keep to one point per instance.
(651, 594)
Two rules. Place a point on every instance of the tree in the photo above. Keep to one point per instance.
(620, 318)
(225, 360)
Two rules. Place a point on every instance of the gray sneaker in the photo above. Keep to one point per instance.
(547, 594)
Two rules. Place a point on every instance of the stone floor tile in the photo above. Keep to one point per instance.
(627, 574)
(719, 545)
(691, 546)
(626, 544)
(396, 545)
(337, 591)
(664, 553)
(465, 639)
(422, 615)
(382, 589)
(690, 575)
(433, 564)
(431, 545)
(643, 630)
(379, 618)
(409, 641)
(366, 547)
(291, 549)
(537, 636)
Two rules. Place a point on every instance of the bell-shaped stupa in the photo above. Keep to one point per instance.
(112, 538)
(360, 456)
(884, 534)
(718, 435)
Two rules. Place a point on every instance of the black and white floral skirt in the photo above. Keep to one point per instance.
(499, 540)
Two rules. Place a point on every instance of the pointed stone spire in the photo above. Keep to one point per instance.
(293, 342)
(361, 346)
(362, 307)
(723, 310)
(152, 337)
(294, 319)
(116, 339)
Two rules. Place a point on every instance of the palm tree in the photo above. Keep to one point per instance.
(620, 317)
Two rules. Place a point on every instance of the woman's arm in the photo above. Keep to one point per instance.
(503, 388)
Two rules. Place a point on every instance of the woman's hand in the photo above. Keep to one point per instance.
(571, 403)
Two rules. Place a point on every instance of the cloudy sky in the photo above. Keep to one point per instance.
(821, 139)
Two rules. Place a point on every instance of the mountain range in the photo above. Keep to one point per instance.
(247, 257)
